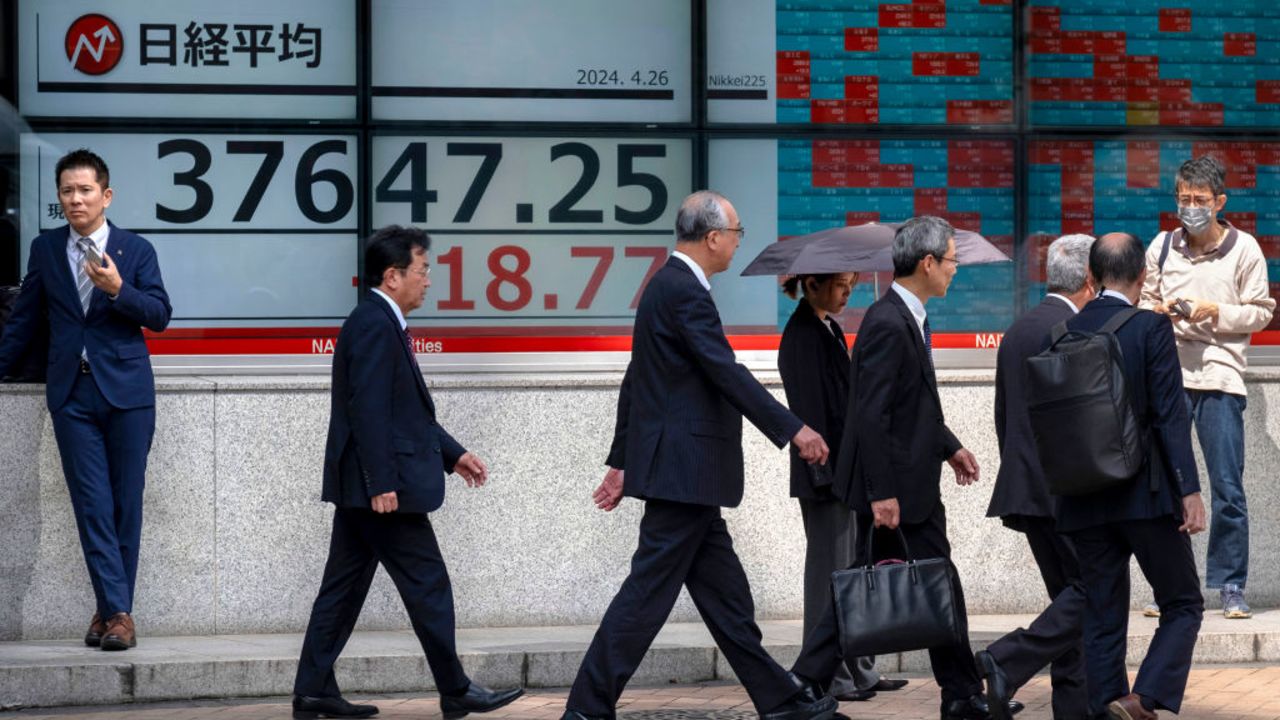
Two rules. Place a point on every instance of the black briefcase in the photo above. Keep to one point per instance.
(897, 605)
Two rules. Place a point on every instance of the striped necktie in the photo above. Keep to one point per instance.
(84, 286)
(928, 343)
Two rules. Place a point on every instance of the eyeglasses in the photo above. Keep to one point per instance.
(1195, 200)
(948, 259)
(421, 272)
(742, 232)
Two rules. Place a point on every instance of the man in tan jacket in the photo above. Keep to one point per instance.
(1211, 279)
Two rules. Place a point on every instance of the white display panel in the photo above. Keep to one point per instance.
(534, 232)
(532, 60)
(746, 172)
(247, 227)
(741, 69)
(193, 59)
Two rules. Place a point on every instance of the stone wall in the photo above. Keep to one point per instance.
(235, 534)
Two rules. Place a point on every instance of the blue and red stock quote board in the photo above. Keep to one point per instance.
(823, 183)
(1096, 186)
(867, 62)
(1154, 63)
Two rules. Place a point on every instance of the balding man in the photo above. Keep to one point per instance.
(678, 439)
(1150, 518)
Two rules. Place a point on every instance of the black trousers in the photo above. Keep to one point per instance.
(405, 545)
(1056, 636)
(953, 665)
(680, 544)
(1165, 558)
(830, 529)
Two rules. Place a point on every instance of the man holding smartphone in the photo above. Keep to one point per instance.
(96, 286)
(1210, 277)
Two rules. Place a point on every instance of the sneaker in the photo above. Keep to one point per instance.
(1151, 610)
(1233, 605)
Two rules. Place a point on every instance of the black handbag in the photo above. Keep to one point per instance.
(894, 606)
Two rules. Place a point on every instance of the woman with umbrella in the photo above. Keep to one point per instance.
(814, 362)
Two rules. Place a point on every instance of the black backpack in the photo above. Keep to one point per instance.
(31, 364)
(1087, 432)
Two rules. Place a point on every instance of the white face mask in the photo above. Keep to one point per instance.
(1195, 219)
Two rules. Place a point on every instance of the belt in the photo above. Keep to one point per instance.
(84, 367)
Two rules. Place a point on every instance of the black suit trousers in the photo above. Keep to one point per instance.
(680, 544)
(1165, 558)
(405, 544)
(953, 665)
(1056, 636)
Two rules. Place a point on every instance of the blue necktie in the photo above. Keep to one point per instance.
(928, 343)
(408, 341)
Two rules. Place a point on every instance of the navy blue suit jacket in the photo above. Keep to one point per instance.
(1154, 379)
(895, 439)
(111, 332)
(814, 366)
(383, 434)
(679, 425)
(1021, 488)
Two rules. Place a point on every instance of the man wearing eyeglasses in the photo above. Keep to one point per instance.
(1210, 278)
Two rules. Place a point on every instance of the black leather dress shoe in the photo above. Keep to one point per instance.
(575, 715)
(998, 690)
(477, 699)
(974, 708)
(884, 684)
(305, 708)
(800, 707)
(856, 695)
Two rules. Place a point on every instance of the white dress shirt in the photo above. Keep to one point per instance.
(914, 305)
(695, 267)
(97, 237)
(1114, 294)
(394, 308)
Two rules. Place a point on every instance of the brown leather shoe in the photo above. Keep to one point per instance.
(1130, 707)
(120, 634)
(97, 628)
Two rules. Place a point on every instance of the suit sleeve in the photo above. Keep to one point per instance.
(879, 355)
(144, 301)
(699, 325)
(1171, 425)
(798, 364)
(24, 322)
(618, 449)
(1002, 359)
(450, 450)
(371, 354)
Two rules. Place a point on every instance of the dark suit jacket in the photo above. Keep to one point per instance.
(1154, 379)
(815, 375)
(895, 439)
(679, 425)
(111, 332)
(383, 434)
(1021, 489)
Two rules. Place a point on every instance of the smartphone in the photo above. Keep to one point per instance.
(1181, 307)
(91, 254)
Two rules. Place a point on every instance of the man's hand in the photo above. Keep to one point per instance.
(965, 465)
(104, 277)
(1203, 310)
(1192, 514)
(609, 494)
(813, 449)
(472, 469)
(385, 503)
(886, 513)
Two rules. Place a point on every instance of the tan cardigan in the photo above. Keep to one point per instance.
(1233, 275)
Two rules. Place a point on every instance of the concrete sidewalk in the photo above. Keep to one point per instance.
(49, 673)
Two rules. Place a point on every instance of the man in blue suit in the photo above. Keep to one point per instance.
(1150, 518)
(384, 468)
(94, 287)
(678, 438)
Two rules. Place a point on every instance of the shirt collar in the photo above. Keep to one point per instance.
(97, 237)
(394, 308)
(1114, 294)
(1064, 299)
(695, 267)
(913, 303)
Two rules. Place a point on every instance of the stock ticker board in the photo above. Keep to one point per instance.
(822, 183)
(1154, 63)
(866, 62)
(1097, 186)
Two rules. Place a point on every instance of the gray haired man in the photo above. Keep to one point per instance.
(1210, 278)
(1021, 500)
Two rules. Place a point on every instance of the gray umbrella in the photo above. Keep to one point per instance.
(856, 248)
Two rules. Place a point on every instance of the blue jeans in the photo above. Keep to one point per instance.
(1219, 420)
